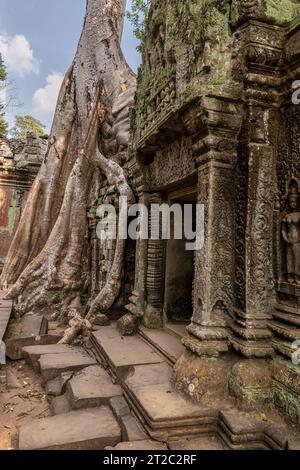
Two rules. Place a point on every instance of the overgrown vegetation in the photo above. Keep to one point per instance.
(138, 16)
(25, 125)
(3, 123)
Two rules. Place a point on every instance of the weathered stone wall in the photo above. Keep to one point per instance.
(102, 252)
(20, 160)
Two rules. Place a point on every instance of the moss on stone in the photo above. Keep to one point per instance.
(53, 297)
(282, 11)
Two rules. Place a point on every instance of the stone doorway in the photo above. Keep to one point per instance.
(179, 268)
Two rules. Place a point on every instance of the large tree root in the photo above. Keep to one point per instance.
(48, 258)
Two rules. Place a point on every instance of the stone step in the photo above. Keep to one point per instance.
(167, 344)
(122, 353)
(247, 430)
(164, 412)
(91, 387)
(15, 345)
(52, 365)
(92, 429)
(32, 354)
(57, 387)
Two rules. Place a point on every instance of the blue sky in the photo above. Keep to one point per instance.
(38, 40)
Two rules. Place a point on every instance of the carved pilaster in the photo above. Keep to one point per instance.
(251, 335)
(213, 296)
(153, 317)
(255, 208)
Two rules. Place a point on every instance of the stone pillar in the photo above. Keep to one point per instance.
(256, 189)
(251, 334)
(135, 310)
(153, 317)
(213, 296)
(138, 297)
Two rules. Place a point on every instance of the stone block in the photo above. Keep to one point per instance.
(91, 387)
(32, 354)
(52, 365)
(92, 429)
(15, 345)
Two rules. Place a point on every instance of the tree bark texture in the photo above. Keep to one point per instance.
(47, 263)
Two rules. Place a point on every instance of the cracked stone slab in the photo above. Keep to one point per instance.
(32, 354)
(15, 345)
(57, 386)
(124, 352)
(92, 429)
(52, 365)
(91, 387)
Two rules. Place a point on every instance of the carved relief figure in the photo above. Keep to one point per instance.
(291, 234)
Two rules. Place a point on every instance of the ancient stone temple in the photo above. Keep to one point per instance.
(199, 348)
(20, 160)
(215, 124)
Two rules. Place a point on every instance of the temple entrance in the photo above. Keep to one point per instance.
(179, 275)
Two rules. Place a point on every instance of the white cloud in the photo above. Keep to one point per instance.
(44, 99)
(18, 54)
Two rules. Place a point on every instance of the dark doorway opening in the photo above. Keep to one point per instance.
(179, 276)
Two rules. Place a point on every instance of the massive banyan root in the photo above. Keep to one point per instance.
(48, 258)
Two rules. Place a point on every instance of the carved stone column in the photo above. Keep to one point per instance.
(153, 317)
(213, 296)
(256, 189)
(137, 306)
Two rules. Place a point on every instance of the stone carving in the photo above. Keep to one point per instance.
(291, 234)
(234, 138)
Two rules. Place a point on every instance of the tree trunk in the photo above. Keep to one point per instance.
(48, 260)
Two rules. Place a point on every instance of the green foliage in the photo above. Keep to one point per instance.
(138, 17)
(27, 124)
(3, 123)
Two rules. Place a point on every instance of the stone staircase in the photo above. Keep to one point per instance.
(120, 396)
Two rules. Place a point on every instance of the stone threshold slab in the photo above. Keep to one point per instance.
(123, 353)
